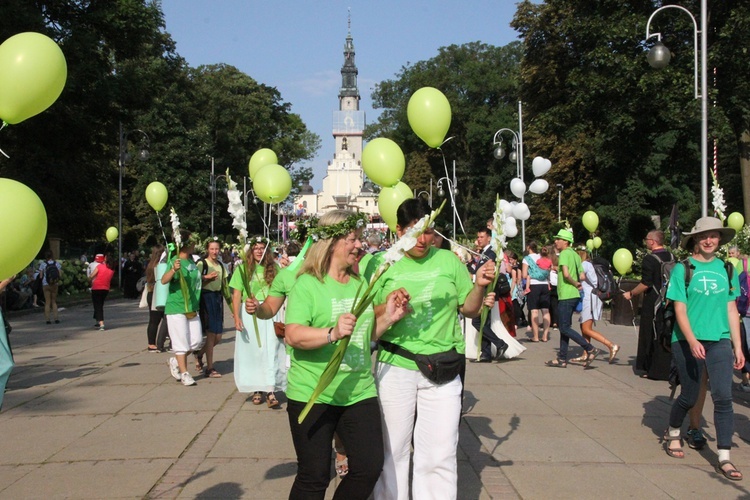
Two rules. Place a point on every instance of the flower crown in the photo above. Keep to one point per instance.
(254, 240)
(352, 223)
(300, 232)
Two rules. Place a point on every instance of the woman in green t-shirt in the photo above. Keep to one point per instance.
(185, 332)
(317, 317)
(706, 337)
(439, 286)
(257, 369)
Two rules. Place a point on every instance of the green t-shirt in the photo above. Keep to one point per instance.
(372, 266)
(218, 268)
(258, 286)
(570, 259)
(175, 300)
(438, 284)
(362, 264)
(707, 296)
(283, 282)
(316, 304)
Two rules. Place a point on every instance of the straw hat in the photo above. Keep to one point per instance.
(705, 224)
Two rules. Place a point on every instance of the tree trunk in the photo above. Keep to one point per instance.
(745, 170)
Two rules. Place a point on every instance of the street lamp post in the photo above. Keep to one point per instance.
(659, 56)
(123, 158)
(429, 195)
(452, 192)
(213, 179)
(516, 155)
(559, 201)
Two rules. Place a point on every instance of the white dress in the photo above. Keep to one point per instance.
(592, 305)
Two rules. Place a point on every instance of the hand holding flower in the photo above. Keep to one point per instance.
(489, 300)
(344, 327)
(251, 305)
(397, 305)
(486, 274)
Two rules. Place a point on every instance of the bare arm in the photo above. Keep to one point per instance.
(680, 310)
(269, 307)
(309, 337)
(236, 301)
(734, 332)
(473, 303)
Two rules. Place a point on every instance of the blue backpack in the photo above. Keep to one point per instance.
(743, 299)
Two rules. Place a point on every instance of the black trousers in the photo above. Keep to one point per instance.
(154, 318)
(489, 337)
(359, 428)
(97, 298)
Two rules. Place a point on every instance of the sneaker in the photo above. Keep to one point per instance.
(174, 369)
(695, 438)
(744, 387)
(186, 379)
(57, 321)
(101, 328)
(96, 326)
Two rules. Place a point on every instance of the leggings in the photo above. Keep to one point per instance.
(97, 298)
(359, 428)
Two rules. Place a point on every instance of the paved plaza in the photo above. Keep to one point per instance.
(90, 414)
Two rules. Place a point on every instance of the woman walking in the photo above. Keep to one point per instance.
(181, 309)
(155, 316)
(316, 319)
(417, 409)
(706, 337)
(100, 278)
(258, 364)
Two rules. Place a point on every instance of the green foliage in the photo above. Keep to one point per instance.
(74, 277)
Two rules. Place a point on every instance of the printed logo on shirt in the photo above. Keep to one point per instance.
(709, 283)
(354, 358)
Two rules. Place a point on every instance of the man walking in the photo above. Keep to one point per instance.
(652, 359)
(568, 292)
(489, 338)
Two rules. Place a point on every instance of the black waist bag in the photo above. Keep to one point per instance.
(441, 367)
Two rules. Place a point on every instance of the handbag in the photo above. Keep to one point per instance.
(279, 329)
(440, 367)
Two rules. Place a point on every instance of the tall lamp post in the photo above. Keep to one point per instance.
(516, 156)
(122, 160)
(659, 56)
(452, 192)
(213, 179)
(559, 201)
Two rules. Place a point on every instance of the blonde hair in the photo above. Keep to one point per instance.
(318, 258)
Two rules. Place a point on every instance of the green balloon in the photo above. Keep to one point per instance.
(590, 221)
(622, 260)
(23, 227)
(383, 162)
(389, 199)
(736, 221)
(404, 189)
(272, 183)
(597, 242)
(260, 159)
(589, 244)
(112, 234)
(429, 115)
(156, 195)
(32, 76)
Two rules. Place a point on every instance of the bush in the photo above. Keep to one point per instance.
(74, 277)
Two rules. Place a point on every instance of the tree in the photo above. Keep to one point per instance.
(481, 84)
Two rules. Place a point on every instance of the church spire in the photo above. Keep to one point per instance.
(349, 69)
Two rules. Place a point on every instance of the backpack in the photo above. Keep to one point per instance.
(605, 281)
(536, 272)
(52, 273)
(743, 299)
(502, 288)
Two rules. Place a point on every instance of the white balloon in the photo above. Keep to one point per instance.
(540, 167)
(510, 222)
(506, 207)
(521, 211)
(517, 187)
(510, 231)
(539, 186)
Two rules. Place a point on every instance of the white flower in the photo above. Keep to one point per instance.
(397, 251)
(236, 208)
(175, 229)
(718, 201)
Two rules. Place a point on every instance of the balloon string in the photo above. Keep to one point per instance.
(451, 187)
(1, 151)
(454, 242)
(158, 217)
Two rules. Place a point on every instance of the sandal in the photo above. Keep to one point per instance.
(732, 473)
(342, 465)
(592, 356)
(580, 359)
(673, 452)
(257, 398)
(271, 400)
(613, 352)
(556, 363)
(212, 373)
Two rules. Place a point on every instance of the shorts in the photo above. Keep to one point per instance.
(538, 297)
(212, 311)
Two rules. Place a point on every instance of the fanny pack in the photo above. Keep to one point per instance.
(440, 368)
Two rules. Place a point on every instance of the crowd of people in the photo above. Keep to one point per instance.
(395, 423)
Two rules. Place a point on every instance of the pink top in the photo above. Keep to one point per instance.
(103, 277)
(544, 263)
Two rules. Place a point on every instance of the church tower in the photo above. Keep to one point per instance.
(344, 185)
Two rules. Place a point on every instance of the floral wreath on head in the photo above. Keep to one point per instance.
(355, 221)
(255, 240)
(301, 231)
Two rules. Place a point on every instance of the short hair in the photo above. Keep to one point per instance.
(657, 235)
(292, 248)
(374, 239)
(411, 210)
(485, 230)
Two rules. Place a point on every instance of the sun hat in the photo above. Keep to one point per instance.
(564, 234)
(99, 258)
(705, 224)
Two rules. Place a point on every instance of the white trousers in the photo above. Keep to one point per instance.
(185, 334)
(403, 395)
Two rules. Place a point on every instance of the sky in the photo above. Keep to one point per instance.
(297, 45)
